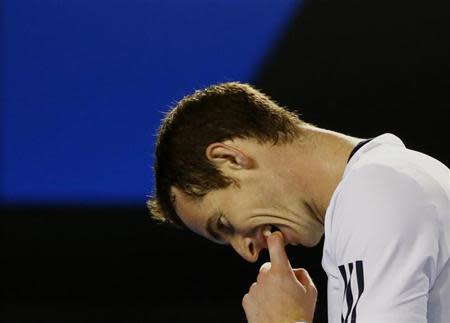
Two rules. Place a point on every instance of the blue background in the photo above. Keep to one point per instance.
(85, 85)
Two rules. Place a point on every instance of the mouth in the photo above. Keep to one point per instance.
(268, 230)
(273, 228)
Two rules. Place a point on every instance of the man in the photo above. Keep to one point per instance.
(236, 168)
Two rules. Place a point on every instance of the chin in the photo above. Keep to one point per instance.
(317, 240)
(311, 241)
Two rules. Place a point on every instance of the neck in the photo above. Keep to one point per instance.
(326, 155)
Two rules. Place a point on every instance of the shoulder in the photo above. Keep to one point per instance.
(388, 164)
(380, 180)
(379, 207)
(387, 192)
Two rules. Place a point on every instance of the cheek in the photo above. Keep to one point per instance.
(262, 196)
(250, 205)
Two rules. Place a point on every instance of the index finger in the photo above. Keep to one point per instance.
(277, 253)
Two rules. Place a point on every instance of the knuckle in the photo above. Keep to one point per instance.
(303, 272)
(260, 277)
(245, 300)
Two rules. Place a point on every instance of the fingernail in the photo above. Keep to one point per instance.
(267, 232)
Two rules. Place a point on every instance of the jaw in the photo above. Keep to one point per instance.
(311, 238)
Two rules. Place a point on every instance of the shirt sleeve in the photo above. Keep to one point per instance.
(386, 246)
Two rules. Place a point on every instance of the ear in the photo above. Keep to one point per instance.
(222, 154)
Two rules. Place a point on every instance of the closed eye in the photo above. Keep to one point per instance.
(223, 225)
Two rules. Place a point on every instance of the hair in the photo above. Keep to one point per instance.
(214, 114)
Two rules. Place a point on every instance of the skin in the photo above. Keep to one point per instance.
(280, 293)
(286, 187)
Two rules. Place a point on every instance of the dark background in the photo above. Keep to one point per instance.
(363, 68)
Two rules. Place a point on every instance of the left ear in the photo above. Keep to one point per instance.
(223, 155)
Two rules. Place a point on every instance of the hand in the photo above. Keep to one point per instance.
(280, 294)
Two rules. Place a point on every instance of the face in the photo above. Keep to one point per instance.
(239, 215)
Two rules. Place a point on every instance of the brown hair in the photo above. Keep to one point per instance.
(217, 113)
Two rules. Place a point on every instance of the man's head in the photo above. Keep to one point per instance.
(214, 155)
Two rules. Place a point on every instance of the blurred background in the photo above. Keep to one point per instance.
(84, 85)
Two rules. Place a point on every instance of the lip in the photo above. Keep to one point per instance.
(268, 229)
(288, 238)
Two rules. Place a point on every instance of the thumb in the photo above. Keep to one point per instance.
(277, 253)
(304, 278)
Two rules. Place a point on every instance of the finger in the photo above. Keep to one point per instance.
(246, 301)
(265, 267)
(251, 290)
(304, 278)
(278, 256)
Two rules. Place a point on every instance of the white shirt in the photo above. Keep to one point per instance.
(387, 237)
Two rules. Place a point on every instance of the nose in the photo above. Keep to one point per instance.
(247, 247)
